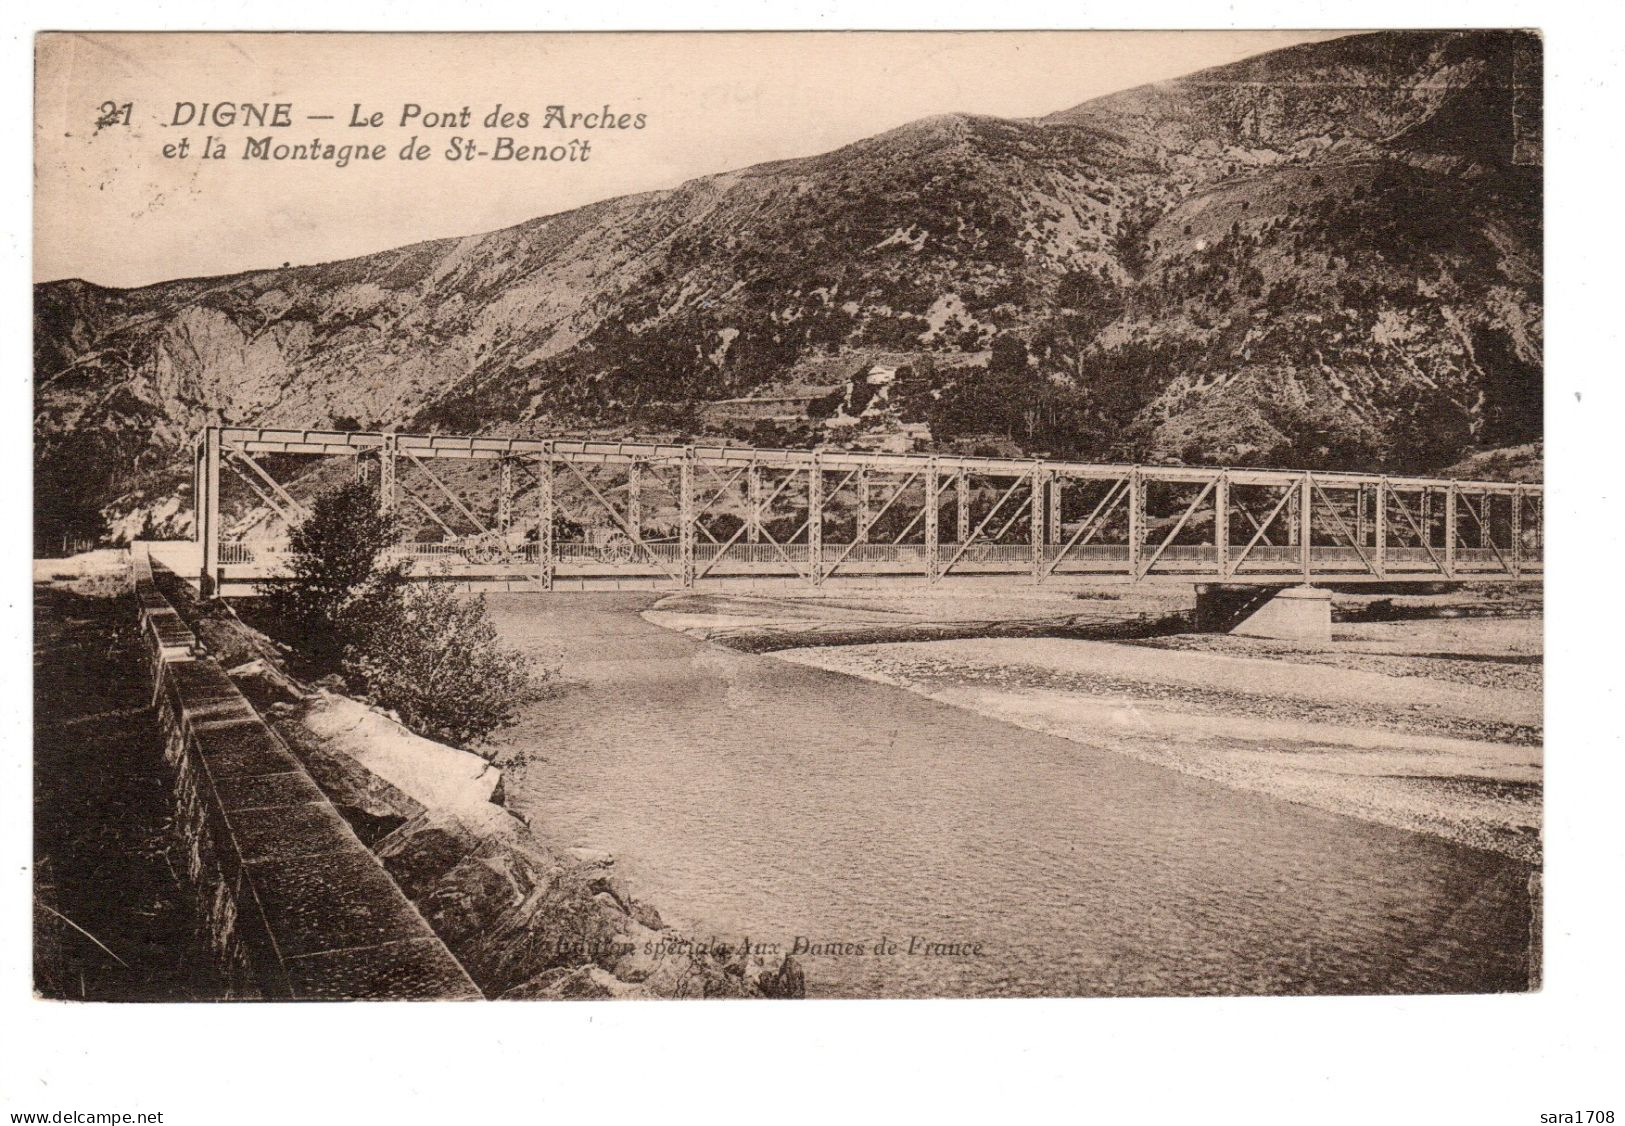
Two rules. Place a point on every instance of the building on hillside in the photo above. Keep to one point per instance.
(907, 438)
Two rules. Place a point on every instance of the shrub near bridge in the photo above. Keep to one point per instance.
(421, 650)
(338, 580)
(433, 656)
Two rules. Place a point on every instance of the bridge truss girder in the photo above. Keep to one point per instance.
(682, 514)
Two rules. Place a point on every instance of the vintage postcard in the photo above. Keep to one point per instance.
(787, 515)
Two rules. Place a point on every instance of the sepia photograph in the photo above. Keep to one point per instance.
(787, 515)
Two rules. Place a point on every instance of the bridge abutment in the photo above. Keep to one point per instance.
(1293, 613)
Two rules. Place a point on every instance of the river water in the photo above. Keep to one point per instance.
(747, 796)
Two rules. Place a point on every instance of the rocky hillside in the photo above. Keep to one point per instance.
(1329, 254)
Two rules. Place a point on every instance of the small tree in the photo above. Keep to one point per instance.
(433, 656)
(420, 649)
(338, 582)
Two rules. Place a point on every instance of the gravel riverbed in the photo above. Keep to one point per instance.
(1446, 745)
(1429, 724)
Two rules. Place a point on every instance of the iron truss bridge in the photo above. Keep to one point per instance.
(567, 513)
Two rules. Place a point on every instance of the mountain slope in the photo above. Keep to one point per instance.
(1329, 254)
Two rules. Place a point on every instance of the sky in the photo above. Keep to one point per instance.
(112, 208)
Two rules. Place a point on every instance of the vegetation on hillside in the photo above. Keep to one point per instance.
(1219, 269)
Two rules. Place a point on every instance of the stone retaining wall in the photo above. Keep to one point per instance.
(293, 905)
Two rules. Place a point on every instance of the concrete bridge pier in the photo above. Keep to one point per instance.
(1282, 613)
